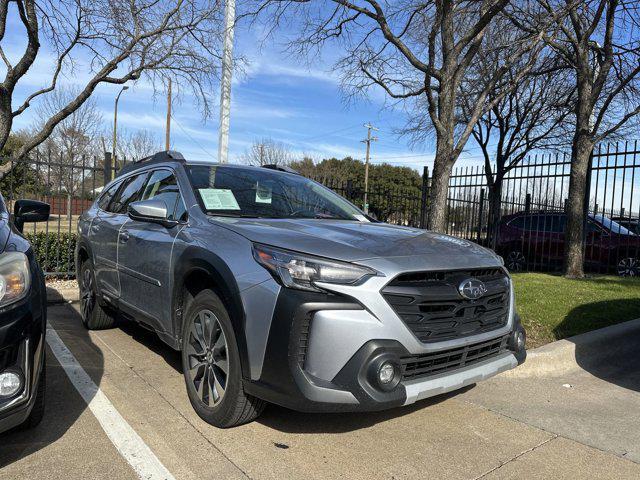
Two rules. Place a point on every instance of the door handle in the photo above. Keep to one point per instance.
(124, 236)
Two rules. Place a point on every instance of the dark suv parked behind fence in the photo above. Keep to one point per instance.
(530, 240)
(277, 289)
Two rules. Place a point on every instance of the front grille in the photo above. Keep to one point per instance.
(419, 366)
(431, 306)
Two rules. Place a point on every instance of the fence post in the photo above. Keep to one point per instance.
(107, 168)
(527, 203)
(585, 210)
(480, 215)
(423, 197)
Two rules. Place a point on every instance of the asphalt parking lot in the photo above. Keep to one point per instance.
(510, 427)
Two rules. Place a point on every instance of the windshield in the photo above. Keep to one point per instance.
(611, 225)
(262, 193)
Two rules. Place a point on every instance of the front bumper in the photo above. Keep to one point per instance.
(22, 331)
(310, 363)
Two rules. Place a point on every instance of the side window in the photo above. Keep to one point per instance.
(162, 185)
(103, 201)
(128, 193)
(517, 222)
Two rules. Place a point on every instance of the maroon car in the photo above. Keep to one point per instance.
(532, 240)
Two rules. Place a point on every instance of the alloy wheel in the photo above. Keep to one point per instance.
(88, 294)
(207, 358)
(515, 261)
(629, 267)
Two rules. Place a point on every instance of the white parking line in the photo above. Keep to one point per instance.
(124, 438)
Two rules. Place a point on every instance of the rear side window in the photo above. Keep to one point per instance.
(162, 185)
(129, 192)
(103, 201)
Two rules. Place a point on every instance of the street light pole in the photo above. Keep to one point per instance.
(225, 81)
(115, 125)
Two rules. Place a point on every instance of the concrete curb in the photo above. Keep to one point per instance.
(558, 358)
(62, 295)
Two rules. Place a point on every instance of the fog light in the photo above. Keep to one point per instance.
(10, 384)
(520, 340)
(386, 373)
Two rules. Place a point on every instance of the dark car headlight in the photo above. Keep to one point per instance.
(15, 277)
(301, 271)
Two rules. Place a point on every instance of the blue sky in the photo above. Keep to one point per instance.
(274, 97)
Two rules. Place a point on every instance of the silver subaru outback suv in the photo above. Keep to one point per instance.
(276, 289)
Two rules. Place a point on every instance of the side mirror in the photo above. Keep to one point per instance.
(153, 211)
(25, 211)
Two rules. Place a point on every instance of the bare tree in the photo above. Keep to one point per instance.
(136, 144)
(529, 117)
(267, 152)
(416, 52)
(113, 41)
(598, 42)
(73, 143)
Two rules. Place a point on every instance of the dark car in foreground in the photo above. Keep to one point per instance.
(277, 289)
(528, 240)
(23, 318)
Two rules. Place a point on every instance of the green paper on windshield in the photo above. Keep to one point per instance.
(218, 199)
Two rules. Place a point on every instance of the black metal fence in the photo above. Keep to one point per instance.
(527, 226)
(69, 186)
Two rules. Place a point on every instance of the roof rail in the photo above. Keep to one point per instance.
(280, 168)
(159, 157)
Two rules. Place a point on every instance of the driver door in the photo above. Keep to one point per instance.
(145, 250)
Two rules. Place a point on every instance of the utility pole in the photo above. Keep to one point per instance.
(115, 127)
(167, 136)
(367, 141)
(225, 81)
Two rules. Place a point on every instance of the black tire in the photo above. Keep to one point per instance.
(37, 412)
(206, 357)
(628, 267)
(94, 316)
(515, 261)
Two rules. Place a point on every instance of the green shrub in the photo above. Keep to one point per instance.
(54, 251)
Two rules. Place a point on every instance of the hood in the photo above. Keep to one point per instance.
(353, 241)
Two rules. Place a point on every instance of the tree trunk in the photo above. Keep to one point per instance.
(442, 165)
(574, 244)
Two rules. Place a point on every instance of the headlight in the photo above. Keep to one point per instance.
(15, 277)
(297, 270)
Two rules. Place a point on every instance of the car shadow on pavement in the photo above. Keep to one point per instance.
(613, 354)
(150, 340)
(289, 421)
(63, 404)
(281, 418)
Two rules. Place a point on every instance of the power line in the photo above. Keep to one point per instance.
(198, 144)
(340, 130)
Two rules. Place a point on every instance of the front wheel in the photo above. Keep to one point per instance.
(515, 261)
(628, 267)
(211, 365)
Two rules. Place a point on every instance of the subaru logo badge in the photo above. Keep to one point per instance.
(472, 288)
